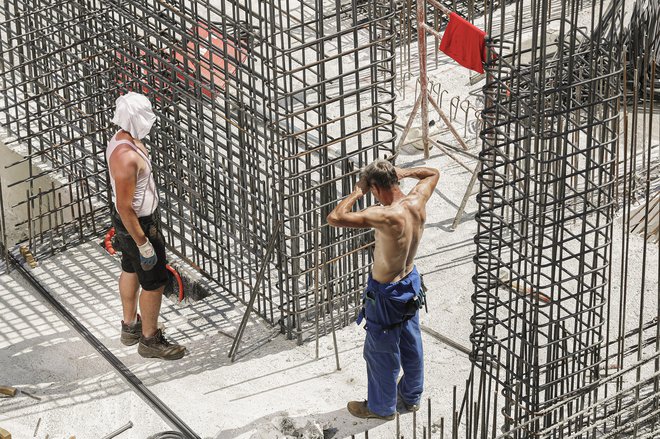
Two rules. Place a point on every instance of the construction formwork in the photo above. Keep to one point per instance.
(266, 113)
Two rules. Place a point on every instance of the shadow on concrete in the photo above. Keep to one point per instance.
(84, 280)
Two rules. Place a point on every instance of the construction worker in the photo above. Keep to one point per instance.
(394, 291)
(137, 230)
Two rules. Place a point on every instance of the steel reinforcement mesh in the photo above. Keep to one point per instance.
(266, 112)
(54, 103)
(545, 215)
(566, 337)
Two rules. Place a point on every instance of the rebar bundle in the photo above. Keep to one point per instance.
(266, 113)
(642, 39)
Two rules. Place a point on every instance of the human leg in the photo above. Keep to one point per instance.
(131, 326)
(128, 291)
(152, 343)
(383, 364)
(411, 385)
(150, 301)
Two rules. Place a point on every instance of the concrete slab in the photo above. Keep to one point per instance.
(273, 381)
(80, 394)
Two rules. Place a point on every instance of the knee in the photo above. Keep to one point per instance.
(129, 275)
(153, 288)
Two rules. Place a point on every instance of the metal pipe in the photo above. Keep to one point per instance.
(119, 431)
(152, 400)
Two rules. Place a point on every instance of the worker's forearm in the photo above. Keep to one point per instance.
(345, 206)
(419, 173)
(130, 221)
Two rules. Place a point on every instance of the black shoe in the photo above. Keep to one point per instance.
(157, 346)
(131, 333)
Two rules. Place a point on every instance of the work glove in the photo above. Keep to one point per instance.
(148, 256)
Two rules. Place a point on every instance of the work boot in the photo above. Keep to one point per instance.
(408, 407)
(157, 346)
(359, 409)
(131, 332)
(401, 401)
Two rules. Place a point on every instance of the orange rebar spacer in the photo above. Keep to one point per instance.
(108, 241)
(178, 280)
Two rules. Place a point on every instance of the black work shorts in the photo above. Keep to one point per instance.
(130, 255)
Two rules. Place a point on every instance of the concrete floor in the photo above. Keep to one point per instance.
(273, 380)
(80, 394)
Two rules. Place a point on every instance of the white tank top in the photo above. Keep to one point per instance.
(145, 199)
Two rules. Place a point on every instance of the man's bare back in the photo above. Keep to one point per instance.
(396, 245)
(398, 222)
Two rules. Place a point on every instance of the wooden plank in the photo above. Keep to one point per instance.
(9, 391)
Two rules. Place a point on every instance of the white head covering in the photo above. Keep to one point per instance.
(134, 114)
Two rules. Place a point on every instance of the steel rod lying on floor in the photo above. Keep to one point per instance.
(171, 418)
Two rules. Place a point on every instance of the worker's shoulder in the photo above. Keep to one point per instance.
(124, 155)
(413, 202)
(378, 210)
(379, 214)
(395, 216)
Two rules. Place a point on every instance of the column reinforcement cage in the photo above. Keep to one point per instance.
(545, 215)
(266, 112)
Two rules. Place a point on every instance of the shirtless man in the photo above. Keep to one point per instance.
(137, 229)
(394, 292)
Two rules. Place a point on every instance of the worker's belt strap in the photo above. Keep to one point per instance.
(378, 327)
(148, 219)
(410, 310)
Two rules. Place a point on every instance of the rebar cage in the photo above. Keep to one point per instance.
(567, 148)
(266, 113)
(545, 214)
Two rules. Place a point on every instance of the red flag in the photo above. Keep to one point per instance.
(465, 43)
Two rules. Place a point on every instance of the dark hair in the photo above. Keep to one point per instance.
(380, 173)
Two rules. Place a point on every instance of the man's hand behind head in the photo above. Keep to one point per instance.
(362, 186)
(400, 173)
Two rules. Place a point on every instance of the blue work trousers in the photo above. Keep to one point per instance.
(393, 342)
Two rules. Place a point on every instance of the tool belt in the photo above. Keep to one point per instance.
(409, 311)
(150, 226)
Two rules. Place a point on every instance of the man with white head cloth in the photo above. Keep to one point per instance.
(137, 229)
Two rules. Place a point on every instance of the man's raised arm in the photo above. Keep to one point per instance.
(343, 215)
(428, 179)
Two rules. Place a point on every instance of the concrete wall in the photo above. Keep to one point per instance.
(14, 195)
